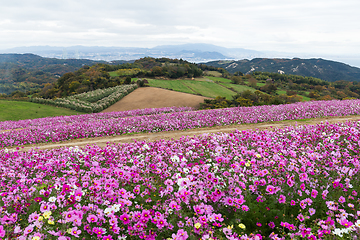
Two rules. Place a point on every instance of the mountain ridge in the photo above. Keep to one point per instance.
(328, 70)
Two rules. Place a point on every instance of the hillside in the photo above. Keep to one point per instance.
(102, 75)
(29, 72)
(319, 68)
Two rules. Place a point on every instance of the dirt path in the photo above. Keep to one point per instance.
(151, 97)
(102, 141)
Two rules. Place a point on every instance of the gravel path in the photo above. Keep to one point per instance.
(102, 141)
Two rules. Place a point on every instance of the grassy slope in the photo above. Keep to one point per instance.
(238, 88)
(175, 85)
(219, 79)
(204, 88)
(209, 89)
(15, 110)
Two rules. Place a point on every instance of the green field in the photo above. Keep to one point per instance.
(209, 89)
(238, 88)
(204, 87)
(281, 92)
(220, 79)
(176, 85)
(305, 99)
(201, 87)
(113, 74)
(214, 73)
(16, 110)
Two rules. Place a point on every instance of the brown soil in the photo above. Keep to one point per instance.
(102, 141)
(151, 97)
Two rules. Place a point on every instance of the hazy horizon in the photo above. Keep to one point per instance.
(352, 60)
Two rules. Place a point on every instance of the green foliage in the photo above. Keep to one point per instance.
(249, 98)
(176, 85)
(90, 102)
(18, 110)
(126, 72)
(29, 72)
(209, 89)
(127, 80)
(318, 89)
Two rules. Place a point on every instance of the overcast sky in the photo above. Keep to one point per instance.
(313, 26)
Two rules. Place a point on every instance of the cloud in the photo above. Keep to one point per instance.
(315, 26)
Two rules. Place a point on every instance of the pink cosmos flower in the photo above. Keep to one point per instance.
(346, 223)
(198, 210)
(300, 217)
(75, 232)
(312, 211)
(245, 208)
(282, 199)
(270, 189)
(125, 218)
(314, 193)
(342, 199)
(2, 231)
(108, 237)
(180, 235)
(98, 231)
(161, 223)
(28, 229)
(303, 204)
(92, 218)
(271, 225)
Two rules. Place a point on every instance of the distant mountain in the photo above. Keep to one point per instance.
(190, 52)
(319, 68)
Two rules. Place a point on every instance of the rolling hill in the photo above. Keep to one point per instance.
(319, 68)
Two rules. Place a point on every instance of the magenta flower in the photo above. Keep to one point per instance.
(271, 225)
(66, 188)
(75, 232)
(300, 217)
(346, 223)
(342, 199)
(245, 208)
(312, 211)
(314, 193)
(92, 218)
(2, 231)
(161, 223)
(98, 231)
(108, 237)
(282, 199)
(270, 189)
(28, 229)
(38, 199)
(125, 218)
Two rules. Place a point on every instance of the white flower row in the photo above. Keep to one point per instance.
(75, 103)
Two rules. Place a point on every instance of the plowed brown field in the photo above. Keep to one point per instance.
(151, 97)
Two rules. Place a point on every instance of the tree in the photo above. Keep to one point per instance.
(238, 73)
(127, 80)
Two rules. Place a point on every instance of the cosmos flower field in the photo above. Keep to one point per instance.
(299, 182)
(167, 119)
